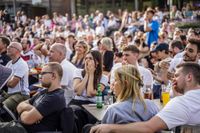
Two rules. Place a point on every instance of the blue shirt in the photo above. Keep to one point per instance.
(152, 36)
(123, 112)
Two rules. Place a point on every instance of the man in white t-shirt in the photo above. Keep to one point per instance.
(18, 84)
(130, 56)
(57, 53)
(191, 54)
(181, 110)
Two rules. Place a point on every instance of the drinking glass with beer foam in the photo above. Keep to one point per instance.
(165, 95)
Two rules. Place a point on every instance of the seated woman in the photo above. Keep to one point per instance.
(130, 105)
(107, 53)
(81, 48)
(86, 80)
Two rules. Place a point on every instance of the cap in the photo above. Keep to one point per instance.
(6, 74)
(161, 47)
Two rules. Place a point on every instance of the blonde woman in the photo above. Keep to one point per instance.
(81, 48)
(130, 105)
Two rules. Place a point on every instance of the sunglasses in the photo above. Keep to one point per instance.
(43, 73)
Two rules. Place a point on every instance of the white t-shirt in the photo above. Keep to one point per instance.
(100, 30)
(175, 62)
(68, 72)
(146, 75)
(20, 69)
(31, 58)
(182, 110)
(78, 74)
(179, 55)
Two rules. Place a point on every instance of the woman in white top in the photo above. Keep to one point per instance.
(86, 80)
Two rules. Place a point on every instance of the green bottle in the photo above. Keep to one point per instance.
(99, 102)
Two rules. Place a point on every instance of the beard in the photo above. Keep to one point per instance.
(46, 85)
(187, 58)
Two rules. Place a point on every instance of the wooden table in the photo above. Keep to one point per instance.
(97, 113)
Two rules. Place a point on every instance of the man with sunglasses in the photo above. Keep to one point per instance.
(42, 112)
(18, 84)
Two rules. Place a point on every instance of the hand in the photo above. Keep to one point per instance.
(170, 75)
(164, 64)
(91, 66)
(102, 128)
(86, 66)
(124, 62)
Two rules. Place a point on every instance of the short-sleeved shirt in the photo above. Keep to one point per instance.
(68, 72)
(146, 75)
(175, 62)
(78, 74)
(4, 58)
(31, 58)
(20, 70)
(182, 110)
(49, 104)
(123, 112)
(152, 36)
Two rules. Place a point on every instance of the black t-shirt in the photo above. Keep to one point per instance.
(4, 58)
(49, 104)
(108, 60)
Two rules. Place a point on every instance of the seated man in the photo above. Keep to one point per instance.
(18, 83)
(181, 110)
(42, 112)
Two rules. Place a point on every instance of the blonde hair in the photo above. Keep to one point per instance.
(107, 42)
(130, 83)
(85, 46)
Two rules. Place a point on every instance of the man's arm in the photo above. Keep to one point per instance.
(13, 81)
(30, 117)
(24, 106)
(151, 126)
(146, 28)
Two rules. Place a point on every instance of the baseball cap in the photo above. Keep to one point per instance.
(161, 47)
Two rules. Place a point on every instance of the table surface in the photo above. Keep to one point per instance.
(96, 112)
(99, 113)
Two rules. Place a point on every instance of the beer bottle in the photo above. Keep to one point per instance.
(99, 102)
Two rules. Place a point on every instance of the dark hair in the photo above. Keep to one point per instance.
(118, 54)
(193, 68)
(5, 40)
(195, 41)
(183, 37)
(98, 72)
(17, 39)
(131, 48)
(151, 11)
(54, 66)
(176, 43)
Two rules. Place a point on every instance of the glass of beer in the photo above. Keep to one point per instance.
(148, 92)
(165, 96)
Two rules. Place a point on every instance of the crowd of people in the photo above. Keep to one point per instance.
(125, 52)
